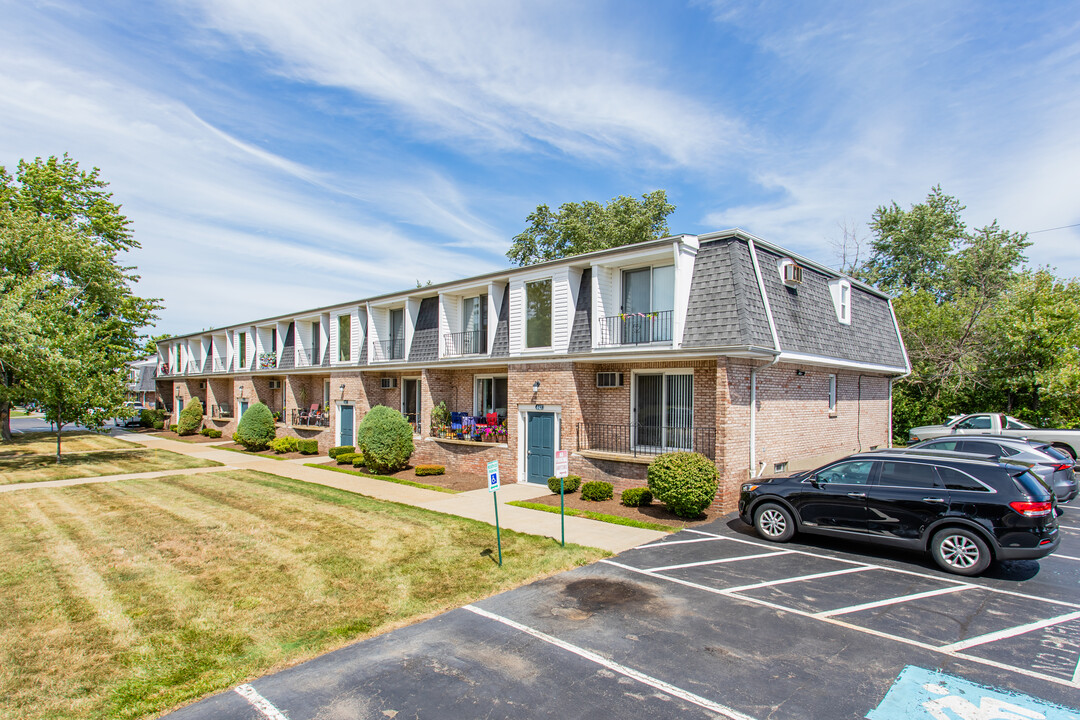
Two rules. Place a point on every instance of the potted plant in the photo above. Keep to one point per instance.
(440, 420)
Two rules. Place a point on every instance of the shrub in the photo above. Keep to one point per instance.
(205, 432)
(597, 490)
(685, 482)
(284, 445)
(174, 428)
(213, 433)
(359, 460)
(190, 418)
(347, 458)
(430, 470)
(236, 438)
(149, 417)
(570, 484)
(159, 425)
(385, 439)
(306, 447)
(335, 451)
(256, 429)
(636, 497)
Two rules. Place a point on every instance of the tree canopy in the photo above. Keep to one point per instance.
(578, 228)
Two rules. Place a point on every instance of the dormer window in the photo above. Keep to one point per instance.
(790, 272)
(841, 297)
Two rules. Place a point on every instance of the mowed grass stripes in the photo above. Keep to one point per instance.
(39, 468)
(128, 598)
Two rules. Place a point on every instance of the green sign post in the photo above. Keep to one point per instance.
(562, 469)
(493, 486)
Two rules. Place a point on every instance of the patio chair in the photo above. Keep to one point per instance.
(310, 415)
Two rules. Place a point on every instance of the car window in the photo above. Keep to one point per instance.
(1054, 453)
(905, 474)
(981, 447)
(949, 445)
(847, 473)
(958, 480)
(975, 422)
(1012, 423)
(1032, 485)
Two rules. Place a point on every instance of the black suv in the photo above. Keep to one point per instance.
(965, 509)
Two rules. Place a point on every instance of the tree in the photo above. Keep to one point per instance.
(60, 238)
(586, 226)
(150, 348)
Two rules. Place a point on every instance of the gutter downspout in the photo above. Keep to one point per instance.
(776, 359)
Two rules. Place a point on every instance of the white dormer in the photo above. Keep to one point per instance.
(840, 290)
(790, 272)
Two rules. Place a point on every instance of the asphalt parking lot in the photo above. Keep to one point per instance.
(715, 622)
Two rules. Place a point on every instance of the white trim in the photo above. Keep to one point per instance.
(806, 359)
(764, 295)
(523, 440)
(338, 404)
(663, 373)
(900, 338)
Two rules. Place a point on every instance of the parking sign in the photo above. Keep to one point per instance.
(493, 475)
(562, 463)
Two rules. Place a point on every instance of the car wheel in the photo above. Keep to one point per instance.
(960, 551)
(773, 522)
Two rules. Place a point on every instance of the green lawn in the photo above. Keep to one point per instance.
(36, 468)
(44, 443)
(122, 600)
(602, 517)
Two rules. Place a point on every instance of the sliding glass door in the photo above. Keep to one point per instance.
(664, 411)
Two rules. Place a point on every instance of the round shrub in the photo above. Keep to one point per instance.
(306, 447)
(636, 497)
(346, 458)
(570, 484)
(385, 439)
(358, 460)
(173, 428)
(256, 429)
(685, 482)
(597, 490)
(335, 451)
(159, 425)
(190, 418)
(213, 433)
(284, 445)
(430, 470)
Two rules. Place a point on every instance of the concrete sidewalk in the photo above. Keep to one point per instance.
(475, 504)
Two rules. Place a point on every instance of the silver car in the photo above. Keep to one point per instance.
(1052, 466)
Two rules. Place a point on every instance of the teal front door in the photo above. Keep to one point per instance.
(540, 447)
(243, 407)
(346, 430)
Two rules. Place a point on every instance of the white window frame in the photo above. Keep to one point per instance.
(665, 373)
(840, 290)
(492, 377)
(525, 314)
(832, 395)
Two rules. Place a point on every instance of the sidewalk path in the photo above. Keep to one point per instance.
(475, 504)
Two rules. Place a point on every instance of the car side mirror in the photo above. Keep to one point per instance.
(815, 481)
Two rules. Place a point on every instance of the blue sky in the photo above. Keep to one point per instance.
(278, 155)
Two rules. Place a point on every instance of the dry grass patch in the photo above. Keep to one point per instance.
(122, 600)
(44, 443)
(37, 468)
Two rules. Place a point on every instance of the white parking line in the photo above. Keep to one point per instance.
(892, 601)
(1009, 632)
(1063, 557)
(857, 628)
(661, 543)
(799, 578)
(718, 562)
(1068, 527)
(616, 667)
(257, 701)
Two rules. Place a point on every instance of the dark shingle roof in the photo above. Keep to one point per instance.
(500, 346)
(725, 306)
(288, 349)
(581, 332)
(425, 342)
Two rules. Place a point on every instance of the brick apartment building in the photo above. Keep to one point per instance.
(721, 343)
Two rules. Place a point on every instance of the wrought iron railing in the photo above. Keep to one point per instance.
(390, 349)
(637, 328)
(470, 342)
(310, 418)
(221, 411)
(646, 440)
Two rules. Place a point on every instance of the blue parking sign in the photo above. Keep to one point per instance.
(493, 475)
(927, 694)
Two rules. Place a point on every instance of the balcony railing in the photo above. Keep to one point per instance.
(267, 361)
(390, 349)
(221, 411)
(164, 369)
(646, 440)
(217, 366)
(637, 328)
(471, 342)
(309, 418)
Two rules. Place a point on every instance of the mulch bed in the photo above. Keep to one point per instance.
(169, 435)
(266, 453)
(655, 513)
(457, 481)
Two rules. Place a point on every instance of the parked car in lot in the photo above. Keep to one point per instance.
(1052, 466)
(965, 510)
(1067, 441)
(132, 420)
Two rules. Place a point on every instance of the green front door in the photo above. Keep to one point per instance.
(540, 447)
(345, 437)
(243, 407)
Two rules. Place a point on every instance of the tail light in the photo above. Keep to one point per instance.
(1031, 509)
(1063, 466)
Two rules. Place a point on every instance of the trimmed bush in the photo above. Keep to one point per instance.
(306, 447)
(430, 470)
(346, 458)
(149, 417)
(174, 428)
(597, 490)
(358, 460)
(570, 484)
(636, 497)
(385, 439)
(335, 451)
(685, 482)
(205, 432)
(159, 425)
(284, 445)
(256, 429)
(190, 418)
(213, 433)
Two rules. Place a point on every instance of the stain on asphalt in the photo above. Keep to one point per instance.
(594, 595)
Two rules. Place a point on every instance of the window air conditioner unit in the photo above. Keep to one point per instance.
(275, 384)
(791, 272)
(609, 379)
(388, 383)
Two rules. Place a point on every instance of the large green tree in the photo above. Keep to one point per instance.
(75, 319)
(578, 228)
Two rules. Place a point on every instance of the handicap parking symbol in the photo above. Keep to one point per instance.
(920, 694)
